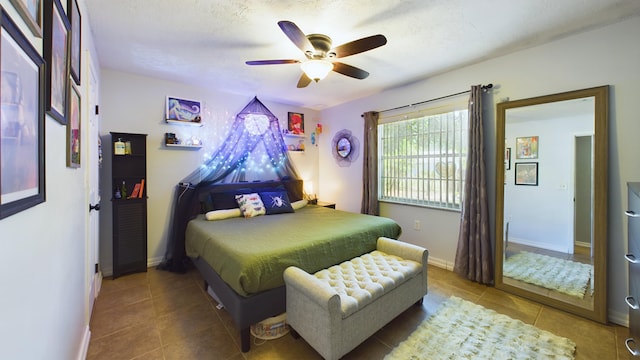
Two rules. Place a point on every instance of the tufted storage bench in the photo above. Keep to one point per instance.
(338, 308)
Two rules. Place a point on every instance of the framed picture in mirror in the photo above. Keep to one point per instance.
(527, 173)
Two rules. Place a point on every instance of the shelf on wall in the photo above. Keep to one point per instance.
(300, 136)
(180, 146)
(184, 123)
(296, 151)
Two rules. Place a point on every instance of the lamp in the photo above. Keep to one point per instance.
(310, 196)
(317, 69)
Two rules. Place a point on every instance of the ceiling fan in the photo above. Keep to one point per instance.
(320, 54)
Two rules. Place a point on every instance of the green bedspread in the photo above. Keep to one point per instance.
(250, 255)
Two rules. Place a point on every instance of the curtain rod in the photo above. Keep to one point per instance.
(484, 87)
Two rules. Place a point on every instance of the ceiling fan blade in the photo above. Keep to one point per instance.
(360, 45)
(271, 62)
(296, 36)
(304, 81)
(349, 70)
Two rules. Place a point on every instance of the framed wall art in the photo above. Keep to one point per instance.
(183, 110)
(295, 125)
(527, 173)
(56, 54)
(527, 147)
(73, 129)
(31, 13)
(507, 158)
(22, 77)
(76, 37)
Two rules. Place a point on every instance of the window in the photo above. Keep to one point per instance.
(422, 161)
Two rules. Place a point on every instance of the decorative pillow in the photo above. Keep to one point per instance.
(299, 204)
(222, 214)
(276, 202)
(250, 205)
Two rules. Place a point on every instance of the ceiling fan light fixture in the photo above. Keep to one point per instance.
(317, 69)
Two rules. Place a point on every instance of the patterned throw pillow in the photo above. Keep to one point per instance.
(276, 202)
(250, 205)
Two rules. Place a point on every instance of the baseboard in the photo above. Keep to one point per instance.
(84, 345)
(153, 262)
(443, 264)
(538, 245)
(620, 318)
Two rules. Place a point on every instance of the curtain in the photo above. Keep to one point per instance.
(370, 165)
(474, 253)
(255, 130)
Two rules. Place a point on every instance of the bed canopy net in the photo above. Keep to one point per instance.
(253, 150)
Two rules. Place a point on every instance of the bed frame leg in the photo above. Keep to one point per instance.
(419, 302)
(245, 340)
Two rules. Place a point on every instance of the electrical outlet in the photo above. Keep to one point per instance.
(417, 225)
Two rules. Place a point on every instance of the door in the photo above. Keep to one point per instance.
(583, 195)
(94, 159)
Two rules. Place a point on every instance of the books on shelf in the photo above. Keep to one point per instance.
(138, 190)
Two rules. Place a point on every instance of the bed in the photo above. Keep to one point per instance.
(243, 259)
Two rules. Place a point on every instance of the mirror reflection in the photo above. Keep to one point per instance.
(343, 147)
(546, 206)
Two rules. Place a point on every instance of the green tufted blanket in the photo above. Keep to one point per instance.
(250, 255)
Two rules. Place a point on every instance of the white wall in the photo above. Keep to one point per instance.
(609, 55)
(542, 215)
(132, 103)
(44, 271)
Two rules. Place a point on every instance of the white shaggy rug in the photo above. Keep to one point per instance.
(463, 330)
(565, 276)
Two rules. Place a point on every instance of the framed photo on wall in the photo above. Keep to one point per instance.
(183, 110)
(295, 125)
(22, 159)
(56, 54)
(76, 36)
(31, 13)
(507, 158)
(527, 173)
(527, 147)
(73, 129)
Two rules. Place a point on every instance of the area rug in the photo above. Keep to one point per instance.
(565, 276)
(463, 330)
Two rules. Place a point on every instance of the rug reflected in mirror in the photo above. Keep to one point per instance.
(565, 276)
(460, 329)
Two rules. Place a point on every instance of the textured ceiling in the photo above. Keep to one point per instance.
(206, 42)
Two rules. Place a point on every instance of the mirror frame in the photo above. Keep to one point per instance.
(600, 179)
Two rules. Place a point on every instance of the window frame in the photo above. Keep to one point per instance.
(414, 195)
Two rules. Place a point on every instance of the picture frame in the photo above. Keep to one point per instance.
(184, 110)
(56, 54)
(75, 19)
(295, 123)
(527, 147)
(526, 173)
(73, 129)
(31, 13)
(22, 128)
(507, 158)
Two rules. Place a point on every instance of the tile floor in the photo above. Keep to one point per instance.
(161, 315)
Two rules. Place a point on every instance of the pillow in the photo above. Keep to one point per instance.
(227, 199)
(250, 205)
(276, 202)
(299, 204)
(222, 214)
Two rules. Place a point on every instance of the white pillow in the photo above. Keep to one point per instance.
(250, 205)
(299, 204)
(222, 214)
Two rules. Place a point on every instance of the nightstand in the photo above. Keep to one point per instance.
(327, 204)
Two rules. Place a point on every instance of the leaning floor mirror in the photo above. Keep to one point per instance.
(551, 200)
